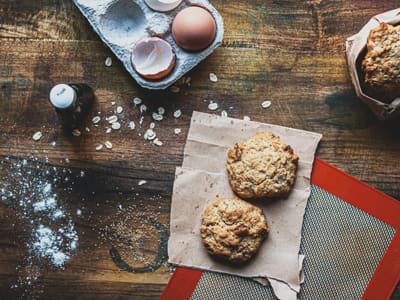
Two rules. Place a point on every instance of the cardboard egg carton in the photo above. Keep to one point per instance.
(122, 23)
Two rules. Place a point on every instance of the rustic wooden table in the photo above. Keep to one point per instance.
(108, 232)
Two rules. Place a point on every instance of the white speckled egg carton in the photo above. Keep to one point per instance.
(121, 23)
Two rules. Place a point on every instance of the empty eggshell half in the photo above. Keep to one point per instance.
(153, 58)
(163, 5)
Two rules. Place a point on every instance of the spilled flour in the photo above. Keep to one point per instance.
(31, 190)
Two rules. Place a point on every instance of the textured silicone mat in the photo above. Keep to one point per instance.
(352, 247)
(343, 246)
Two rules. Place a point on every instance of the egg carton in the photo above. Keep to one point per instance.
(122, 23)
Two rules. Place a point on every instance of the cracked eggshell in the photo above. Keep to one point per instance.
(153, 58)
(163, 5)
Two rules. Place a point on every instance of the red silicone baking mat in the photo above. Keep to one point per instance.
(351, 240)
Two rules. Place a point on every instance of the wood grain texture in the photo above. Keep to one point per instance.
(289, 52)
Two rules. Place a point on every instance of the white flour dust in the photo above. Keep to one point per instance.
(33, 191)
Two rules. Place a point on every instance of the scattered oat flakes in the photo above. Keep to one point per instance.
(161, 110)
(157, 142)
(141, 120)
(99, 147)
(266, 104)
(177, 130)
(108, 62)
(152, 125)
(76, 132)
(141, 182)
(112, 103)
(177, 113)
(131, 125)
(112, 119)
(37, 136)
(108, 130)
(116, 125)
(157, 117)
(137, 101)
(143, 108)
(175, 89)
(108, 145)
(213, 106)
(87, 129)
(119, 109)
(96, 119)
(213, 77)
(224, 114)
(246, 118)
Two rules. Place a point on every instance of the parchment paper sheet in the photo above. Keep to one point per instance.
(203, 178)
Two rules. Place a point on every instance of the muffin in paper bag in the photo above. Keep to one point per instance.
(373, 65)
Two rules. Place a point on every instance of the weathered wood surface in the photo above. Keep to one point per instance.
(289, 52)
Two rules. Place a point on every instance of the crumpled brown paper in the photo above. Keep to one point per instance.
(203, 178)
(355, 51)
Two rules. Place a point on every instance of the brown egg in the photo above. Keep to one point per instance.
(193, 28)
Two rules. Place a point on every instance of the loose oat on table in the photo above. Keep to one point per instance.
(112, 103)
(131, 125)
(177, 130)
(177, 113)
(157, 142)
(266, 104)
(157, 116)
(161, 110)
(116, 125)
(143, 108)
(96, 119)
(137, 101)
(37, 136)
(108, 62)
(99, 147)
(119, 109)
(112, 119)
(108, 145)
(213, 106)
(152, 125)
(142, 182)
(108, 130)
(213, 77)
(149, 135)
(76, 132)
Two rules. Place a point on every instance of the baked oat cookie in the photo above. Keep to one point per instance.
(233, 229)
(262, 166)
(381, 63)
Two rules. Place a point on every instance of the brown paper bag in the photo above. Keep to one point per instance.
(355, 51)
